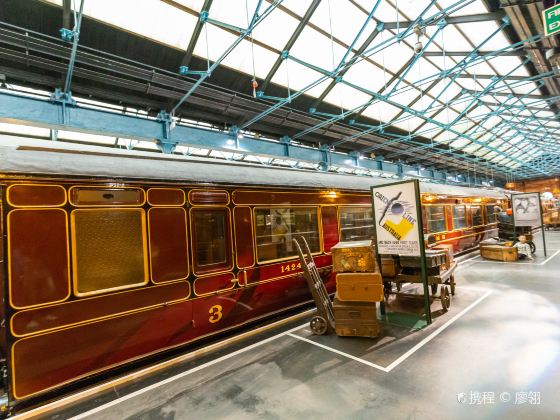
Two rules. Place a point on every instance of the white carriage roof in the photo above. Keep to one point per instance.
(32, 156)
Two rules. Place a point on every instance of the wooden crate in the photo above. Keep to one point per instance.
(359, 287)
(389, 266)
(498, 253)
(354, 257)
(355, 319)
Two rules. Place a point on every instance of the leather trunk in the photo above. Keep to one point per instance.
(351, 257)
(355, 319)
(359, 287)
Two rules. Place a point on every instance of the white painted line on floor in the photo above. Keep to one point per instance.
(182, 375)
(514, 263)
(436, 333)
(409, 352)
(349, 356)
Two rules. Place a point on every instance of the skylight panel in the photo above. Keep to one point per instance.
(395, 56)
(241, 58)
(470, 9)
(300, 77)
(191, 4)
(460, 143)
(276, 30)
(346, 97)
(409, 124)
(382, 111)
(153, 19)
(297, 6)
(367, 75)
(471, 148)
(505, 65)
(314, 48)
(338, 15)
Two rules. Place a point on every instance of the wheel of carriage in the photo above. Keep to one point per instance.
(318, 325)
(533, 247)
(452, 285)
(445, 298)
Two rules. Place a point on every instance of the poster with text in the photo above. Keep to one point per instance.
(396, 223)
(526, 209)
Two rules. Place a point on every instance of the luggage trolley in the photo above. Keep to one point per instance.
(323, 322)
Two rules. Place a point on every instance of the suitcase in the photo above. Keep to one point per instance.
(356, 256)
(359, 287)
(355, 319)
(498, 253)
(434, 258)
(389, 266)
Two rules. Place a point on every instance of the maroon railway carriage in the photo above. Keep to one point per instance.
(111, 257)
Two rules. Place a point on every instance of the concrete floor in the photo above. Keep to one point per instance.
(493, 355)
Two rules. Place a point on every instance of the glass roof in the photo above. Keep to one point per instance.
(481, 106)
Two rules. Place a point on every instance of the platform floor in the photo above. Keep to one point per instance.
(494, 355)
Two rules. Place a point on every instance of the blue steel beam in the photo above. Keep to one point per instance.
(255, 20)
(349, 112)
(75, 33)
(384, 44)
(196, 34)
(414, 112)
(24, 110)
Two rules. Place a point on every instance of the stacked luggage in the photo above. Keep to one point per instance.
(359, 287)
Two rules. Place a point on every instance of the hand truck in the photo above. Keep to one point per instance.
(323, 321)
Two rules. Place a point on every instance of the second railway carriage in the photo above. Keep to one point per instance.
(111, 256)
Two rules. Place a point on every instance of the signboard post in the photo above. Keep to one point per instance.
(397, 217)
(527, 211)
(551, 19)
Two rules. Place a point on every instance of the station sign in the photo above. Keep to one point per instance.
(551, 20)
(396, 215)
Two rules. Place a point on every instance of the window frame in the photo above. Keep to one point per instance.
(319, 231)
(216, 268)
(481, 215)
(453, 217)
(493, 205)
(339, 208)
(443, 206)
(144, 234)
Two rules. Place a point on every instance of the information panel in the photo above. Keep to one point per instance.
(396, 212)
(526, 209)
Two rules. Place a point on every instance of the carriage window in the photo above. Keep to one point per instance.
(459, 217)
(356, 223)
(275, 228)
(435, 217)
(476, 216)
(492, 211)
(211, 240)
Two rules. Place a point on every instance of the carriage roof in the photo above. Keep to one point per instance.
(20, 155)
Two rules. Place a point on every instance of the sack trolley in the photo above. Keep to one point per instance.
(323, 322)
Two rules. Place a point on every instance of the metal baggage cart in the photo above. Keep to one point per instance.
(323, 321)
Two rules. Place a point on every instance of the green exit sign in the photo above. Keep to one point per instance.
(551, 19)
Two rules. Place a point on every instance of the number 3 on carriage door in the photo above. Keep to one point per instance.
(215, 314)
